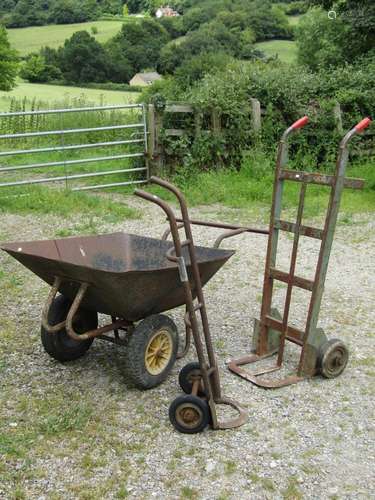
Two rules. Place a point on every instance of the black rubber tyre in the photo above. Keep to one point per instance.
(151, 351)
(333, 358)
(187, 375)
(189, 414)
(59, 345)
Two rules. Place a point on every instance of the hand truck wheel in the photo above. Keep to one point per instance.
(189, 414)
(333, 358)
(188, 375)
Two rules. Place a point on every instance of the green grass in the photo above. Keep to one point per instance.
(49, 95)
(286, 50)
(294, 20)
(64, 203)
(251, 189)
(27, 40)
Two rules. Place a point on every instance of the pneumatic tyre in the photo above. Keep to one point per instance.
(60, 345)
(151, 351)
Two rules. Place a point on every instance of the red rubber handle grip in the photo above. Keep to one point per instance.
(363, 124)
(300, 123)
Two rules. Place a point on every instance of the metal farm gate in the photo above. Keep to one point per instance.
(74, 147)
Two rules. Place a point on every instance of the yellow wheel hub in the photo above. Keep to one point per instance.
(158, 352)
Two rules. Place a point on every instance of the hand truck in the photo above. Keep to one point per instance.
(318, 354)
(200, 381)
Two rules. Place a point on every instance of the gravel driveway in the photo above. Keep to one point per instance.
(80, 430)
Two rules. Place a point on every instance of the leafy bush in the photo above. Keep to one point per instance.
(36, 70)
(285, 93)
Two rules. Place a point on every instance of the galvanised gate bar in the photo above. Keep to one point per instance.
(127, 124)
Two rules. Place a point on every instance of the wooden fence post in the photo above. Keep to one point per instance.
(256, 115)
(216, 121)
(151, 131)
(338, 118)
(155, 151)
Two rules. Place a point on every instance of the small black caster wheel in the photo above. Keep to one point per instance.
(188, 375)
(189, 414)
(332, 358)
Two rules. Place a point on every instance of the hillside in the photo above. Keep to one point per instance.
(32, 39)
(22, 13)
(59, 95)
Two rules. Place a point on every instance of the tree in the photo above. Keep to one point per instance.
(8, 62)
(358, 17)
(140, 43)
(36, 70)
(320, 40)
(83, 59)
(67, 12)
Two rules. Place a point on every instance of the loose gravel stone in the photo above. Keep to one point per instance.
(80, 430)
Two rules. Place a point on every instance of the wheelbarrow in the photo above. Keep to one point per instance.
(124, 276)
(133, 279)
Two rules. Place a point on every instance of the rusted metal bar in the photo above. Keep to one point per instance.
(295, 280)
(52, 294)
(311, 232)
(222, 225)
(321, 179)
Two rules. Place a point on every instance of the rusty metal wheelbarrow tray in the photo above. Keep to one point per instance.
(128, 276)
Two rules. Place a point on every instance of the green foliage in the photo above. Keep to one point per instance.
(36, 70)
(328, 42)
(296, 8)
(250, 187)
(8, 62)
(224, 26)
(285, 93)
(320, 40)
(83, 59)
(197, 67)
(138, 46)
(21, 13)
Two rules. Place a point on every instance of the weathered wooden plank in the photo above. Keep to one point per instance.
(175, 132)
(256, 115)
(179, 108)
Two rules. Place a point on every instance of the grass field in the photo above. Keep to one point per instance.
(294, 20)
(27, 40)
(50, 95)
(286, 50)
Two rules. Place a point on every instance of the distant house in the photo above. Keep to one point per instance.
(166, 12)
(144, 79)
